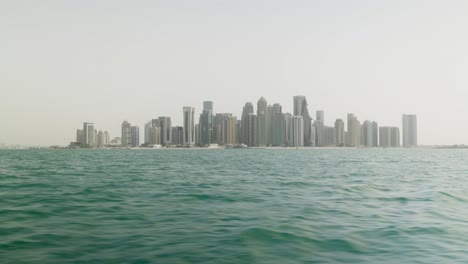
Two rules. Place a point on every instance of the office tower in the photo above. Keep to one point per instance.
(367, 134)
(238, 132)
(300, 109)
(246, 111)
(269, 120)
(189, 125)
(389, 137)
(100, 138)
(197, 135)
(228, 129)
(88, 134)
(319, 125)
(278, 130)
(217, 135)
(329, 136)
(177, 135)
(262, 124)
(148, 127)
(354, 131)
(80, 136)
(297, 131)
(166, 130)
(206, 127)
(126, 134)
(410, 131)
(95, 138)
(375, 134)
(288, 130)
(250, 130)
(155, 136)
(208, 105)
(135, 136)
(339, 133)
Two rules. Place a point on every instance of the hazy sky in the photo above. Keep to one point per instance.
(66, 62)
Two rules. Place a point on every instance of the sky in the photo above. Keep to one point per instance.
(63, 63)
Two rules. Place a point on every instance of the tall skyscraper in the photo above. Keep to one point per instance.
(269, 127)
(354, 131)
(246, 111)
(135, 136)
(148, 127)
(126, 138)
(375, 134)
(278, 130)
(88, 134)
(166, 130)
(319, 125)
(80, 136)
(262, 122)
(288, 130)
(367, 134)
(339, 133)
(410, 131)
(177, 135)
(251, 130)
(297, 131)
(329, 136)
(189, 125)
(300, 109)
(389, 137)
(206, 127)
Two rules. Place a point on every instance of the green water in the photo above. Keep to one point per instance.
(234, 206)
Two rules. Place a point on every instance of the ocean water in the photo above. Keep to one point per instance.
(234, 206)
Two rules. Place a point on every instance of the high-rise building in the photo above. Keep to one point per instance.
(166, 130)
(339, 133)
(239, 132)
(148, 127)
(197, 135)
(80, 136)
(288, 130)
(410, 131)
(319, 125)
(269, 127)
(297, 131)
(300, 109)
(206, 127)
(278, 130)
(229, 129)
(389, 137)
(88, 134)
(135, 136)
(262, 122)
(154, 136)
(208, 105)
(126, 138)
(375, 134)
(367, 134)
(246, 111)
(101, 139)
(329, 136)
(177, 135)
(354, 131)
(250, 130)
(189, 125)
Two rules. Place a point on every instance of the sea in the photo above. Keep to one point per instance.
(234, 206)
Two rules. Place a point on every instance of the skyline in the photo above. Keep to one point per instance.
(107, 61)
(269, 127)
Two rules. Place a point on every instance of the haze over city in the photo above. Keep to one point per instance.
(64, 63)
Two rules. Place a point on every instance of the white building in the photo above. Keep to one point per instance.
(297, 131)
(354, 131)
(339, 133)
(410, 131)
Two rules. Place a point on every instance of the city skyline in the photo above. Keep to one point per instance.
(269, 127)
(65, 63)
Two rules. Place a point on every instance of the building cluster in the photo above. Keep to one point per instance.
(268, 126)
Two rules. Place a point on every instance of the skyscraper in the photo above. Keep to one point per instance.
(389, 137)
(297, 131)
(126, 138)
(329, 136)
(251, 130)
(148, 127)
(166, 130)
(339, 133)
(177, 135)
(375, 134)
(300, 109)
(88, 134)
(135, 136)
(246, 111)
(354, 131)
(80, 136)
(410, 131)
(262, 122)
(319, 125)
(367, 134)
(189, 125)
(206, 127)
